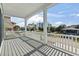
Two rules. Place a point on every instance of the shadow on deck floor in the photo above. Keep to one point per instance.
(25, 46)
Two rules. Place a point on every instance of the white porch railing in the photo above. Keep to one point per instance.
(66, 42)
(69, 43)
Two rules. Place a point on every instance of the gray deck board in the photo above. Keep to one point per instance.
(18, 48)
(9, 48)
(24, 47)
(14, 49)
(51, 52)
(60, 54)
(2, 50)
(6, 49)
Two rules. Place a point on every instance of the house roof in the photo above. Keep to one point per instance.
(71, 28)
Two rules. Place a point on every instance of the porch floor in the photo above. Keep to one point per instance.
(25, 46)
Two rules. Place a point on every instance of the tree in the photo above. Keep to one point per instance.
(60, 27)
(52, 29)
(22, 28)
(16, 28)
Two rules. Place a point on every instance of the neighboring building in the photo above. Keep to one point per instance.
(31, 27)
(70, 31)
(8, 25)
(74, 26)
(39, 25)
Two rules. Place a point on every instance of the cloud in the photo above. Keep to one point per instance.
(54, 15)
(59, 23)
(61, 12)
(35, 19)
(21, 24)
(75, 14)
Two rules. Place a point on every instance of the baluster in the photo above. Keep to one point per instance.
(65, 42)
(71, 44)
(68, 43)
(60, 40)
(75, 44)
(57, 40)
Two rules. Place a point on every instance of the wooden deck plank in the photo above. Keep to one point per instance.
(6, 49)
(18, 48)
(29, 48)
(36, 54)
(42, 48)
(39, 54)
(9, 48)
(26, 47)
(27, 44)
(60, 54)
(56, 54)
(3, 48)
(25, 50)
(34, 43)
(45, 49)
(63, 54)
(67, 55)
(51, 52)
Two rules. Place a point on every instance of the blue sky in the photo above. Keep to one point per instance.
(67, 13)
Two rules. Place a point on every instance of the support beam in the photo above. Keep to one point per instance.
(45, 24)
(25, 25)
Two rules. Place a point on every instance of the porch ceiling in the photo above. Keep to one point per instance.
(23, 10)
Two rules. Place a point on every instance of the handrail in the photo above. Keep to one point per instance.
(66, 42)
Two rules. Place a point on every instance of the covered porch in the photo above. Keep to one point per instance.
(30, 43)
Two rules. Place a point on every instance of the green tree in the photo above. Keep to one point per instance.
(52, 29)
(16, 28)
(60, 27)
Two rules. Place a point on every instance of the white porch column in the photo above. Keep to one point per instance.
(45, 25)
(2, 23)
(25, 25)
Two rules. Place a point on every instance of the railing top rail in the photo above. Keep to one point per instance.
(49, 34)
(64, 35)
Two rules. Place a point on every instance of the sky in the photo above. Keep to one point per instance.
(64, 13)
